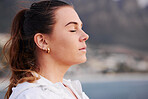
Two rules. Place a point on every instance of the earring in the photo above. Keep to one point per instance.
(48, 50)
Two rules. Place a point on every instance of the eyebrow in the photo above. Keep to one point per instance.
(72, 23)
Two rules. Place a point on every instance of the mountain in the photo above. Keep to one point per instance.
(108, 22)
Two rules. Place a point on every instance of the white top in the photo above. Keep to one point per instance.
(45, 89)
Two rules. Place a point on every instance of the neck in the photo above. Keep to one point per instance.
(51, 69)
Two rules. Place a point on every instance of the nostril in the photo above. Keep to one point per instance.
(84, 36)
(85, 39)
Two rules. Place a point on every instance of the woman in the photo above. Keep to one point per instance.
(45, 41)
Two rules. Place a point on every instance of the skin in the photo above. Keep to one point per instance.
(64, 43)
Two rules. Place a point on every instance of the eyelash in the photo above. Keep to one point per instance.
(73, 30)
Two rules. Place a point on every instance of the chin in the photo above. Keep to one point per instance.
(79, 60)
(82, 60)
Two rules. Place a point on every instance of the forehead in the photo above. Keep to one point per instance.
(66, 14)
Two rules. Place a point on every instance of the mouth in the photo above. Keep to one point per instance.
(83, 49)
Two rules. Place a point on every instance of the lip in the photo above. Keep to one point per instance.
(83, 48)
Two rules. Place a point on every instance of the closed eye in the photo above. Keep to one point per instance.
(72, 30)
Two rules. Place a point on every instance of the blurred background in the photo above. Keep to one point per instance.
(117, 53)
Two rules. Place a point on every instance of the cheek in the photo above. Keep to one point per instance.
(65, 49)
(65, 46)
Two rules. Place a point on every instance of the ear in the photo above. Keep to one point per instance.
(41, 41)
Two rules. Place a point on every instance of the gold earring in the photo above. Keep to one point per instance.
(48, 50)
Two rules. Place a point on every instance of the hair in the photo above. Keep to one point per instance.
(39, 18)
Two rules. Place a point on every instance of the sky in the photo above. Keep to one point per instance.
(142, 3)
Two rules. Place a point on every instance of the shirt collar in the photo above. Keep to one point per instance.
(45, 81)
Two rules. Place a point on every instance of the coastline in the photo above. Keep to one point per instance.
(91, 78)
(95, 78)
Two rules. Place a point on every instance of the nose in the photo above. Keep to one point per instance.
(84, 36)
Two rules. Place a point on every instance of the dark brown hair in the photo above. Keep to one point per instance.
(39, 18)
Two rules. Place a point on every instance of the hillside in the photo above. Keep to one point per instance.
(108, 22)
(120, 22)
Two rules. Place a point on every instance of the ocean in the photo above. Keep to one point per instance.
(117, 90)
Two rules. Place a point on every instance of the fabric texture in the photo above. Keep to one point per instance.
(45, 89)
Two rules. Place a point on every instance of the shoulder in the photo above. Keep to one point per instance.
(76, 84)
(37, 93)
(32, 91)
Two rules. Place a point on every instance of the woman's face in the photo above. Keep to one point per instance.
(67, 41)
